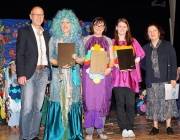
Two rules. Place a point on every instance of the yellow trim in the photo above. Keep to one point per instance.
(115, 48)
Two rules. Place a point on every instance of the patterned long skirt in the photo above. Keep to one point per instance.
(159, 109)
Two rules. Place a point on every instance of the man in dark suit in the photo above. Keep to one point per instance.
(32, 72)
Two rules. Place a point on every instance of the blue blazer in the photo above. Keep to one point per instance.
(27, 52)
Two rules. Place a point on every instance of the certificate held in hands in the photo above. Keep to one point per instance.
(65, 52)
(126, 59)
(98, 61)
(171, 93)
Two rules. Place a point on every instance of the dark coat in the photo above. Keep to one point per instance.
(168, 67)
(27, 52)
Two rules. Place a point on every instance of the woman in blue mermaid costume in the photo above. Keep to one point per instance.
(64, 117)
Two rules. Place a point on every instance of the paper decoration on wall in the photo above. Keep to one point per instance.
(2, 48)
(85, 27)
(8, 35)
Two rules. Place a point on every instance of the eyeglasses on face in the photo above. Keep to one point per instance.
(100, 26)
(153, 31)
(38, 15)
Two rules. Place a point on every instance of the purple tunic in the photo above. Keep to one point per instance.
(96, 97)
(132, 78)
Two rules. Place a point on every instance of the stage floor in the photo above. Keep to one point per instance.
(142, 128)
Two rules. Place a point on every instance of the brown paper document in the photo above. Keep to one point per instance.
(126, 59)
(65, 52)
(99, 61)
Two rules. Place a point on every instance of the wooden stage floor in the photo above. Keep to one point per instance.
(142, 128)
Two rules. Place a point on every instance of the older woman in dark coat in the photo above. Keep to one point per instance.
(160, 66)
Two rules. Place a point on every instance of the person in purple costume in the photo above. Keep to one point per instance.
(96, 88)
(126, 82)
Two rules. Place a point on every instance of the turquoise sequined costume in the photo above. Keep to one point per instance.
(64, 118)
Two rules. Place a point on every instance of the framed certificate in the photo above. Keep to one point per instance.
(65, 52)
(126, 59)
(98, 61)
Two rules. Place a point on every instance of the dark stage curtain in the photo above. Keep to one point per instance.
(176, 33)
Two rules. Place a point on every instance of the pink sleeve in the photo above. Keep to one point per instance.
(138, 49)
(113, 40)
(139, 53)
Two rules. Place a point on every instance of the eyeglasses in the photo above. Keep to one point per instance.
(153, 31)
(100, 26)
(38, 15)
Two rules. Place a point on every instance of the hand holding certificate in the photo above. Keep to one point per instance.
(126, 59)
(65, 53)
(99, 61)
(171, 93)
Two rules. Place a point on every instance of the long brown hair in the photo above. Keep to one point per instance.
(9, 70)
(128, 35)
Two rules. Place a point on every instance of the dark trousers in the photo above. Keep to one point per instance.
(125, 96)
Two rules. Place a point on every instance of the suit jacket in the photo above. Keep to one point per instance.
(27, 52)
